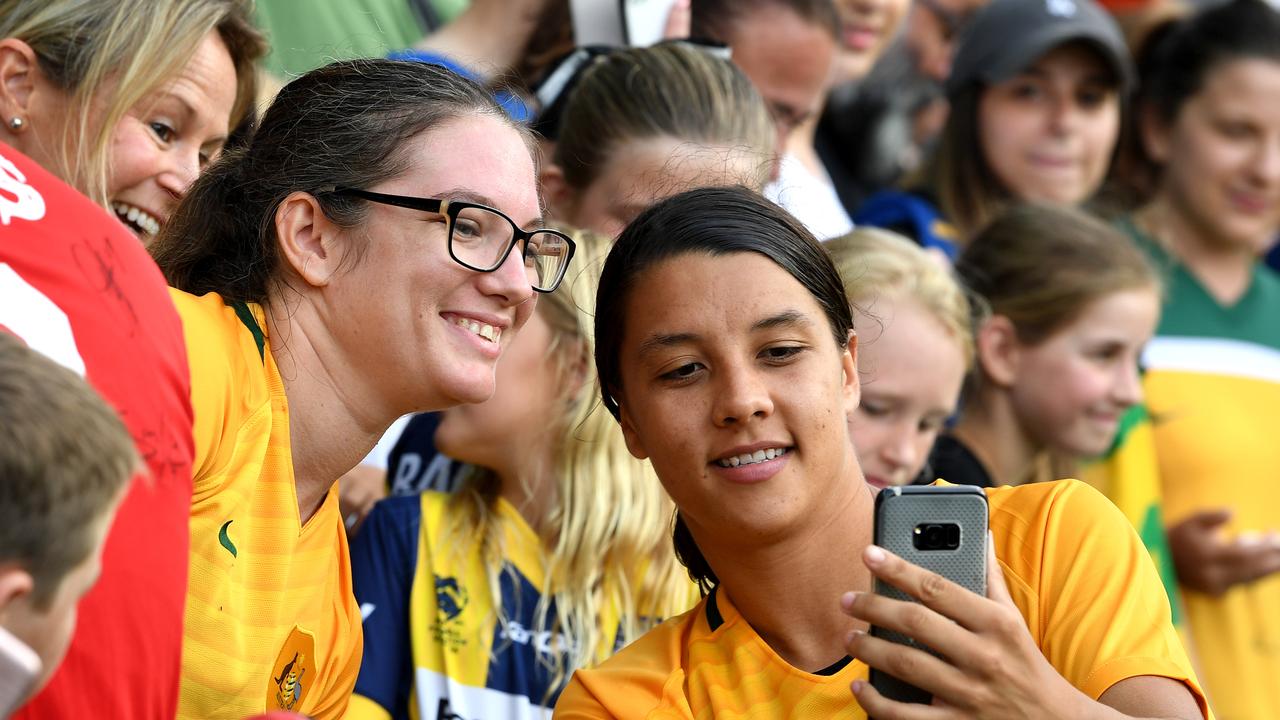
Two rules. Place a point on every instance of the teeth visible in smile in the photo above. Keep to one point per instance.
(488, 332)
(136, 218)
(758, 456)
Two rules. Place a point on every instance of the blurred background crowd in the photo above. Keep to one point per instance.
(1056, 221)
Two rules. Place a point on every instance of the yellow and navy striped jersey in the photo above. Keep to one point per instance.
(271, 622)
(435, 645)
(1213, 387)
(1074, 566)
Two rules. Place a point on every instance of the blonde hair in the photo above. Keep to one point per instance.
(605, 536)
(130, 47)
(878, 263)
(668, 90)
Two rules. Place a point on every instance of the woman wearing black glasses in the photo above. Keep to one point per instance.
(369, 253)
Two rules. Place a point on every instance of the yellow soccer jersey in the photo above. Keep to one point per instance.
(271, 622)
(1074, 566)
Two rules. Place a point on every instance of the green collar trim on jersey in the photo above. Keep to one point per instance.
(246, 316)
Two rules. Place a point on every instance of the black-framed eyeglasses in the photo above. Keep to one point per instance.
(480, 238)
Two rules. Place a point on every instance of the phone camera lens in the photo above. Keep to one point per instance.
(933, 536)
(936, 536)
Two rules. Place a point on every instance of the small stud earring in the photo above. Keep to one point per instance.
(17, 124)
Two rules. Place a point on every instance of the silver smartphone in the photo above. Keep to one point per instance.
(19, 669)
(943, 529)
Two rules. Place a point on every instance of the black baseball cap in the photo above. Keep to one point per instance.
(1006, 36)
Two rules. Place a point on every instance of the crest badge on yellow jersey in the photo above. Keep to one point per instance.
(293, 671)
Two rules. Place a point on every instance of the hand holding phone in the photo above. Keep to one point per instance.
(970, 650)
(942, 529)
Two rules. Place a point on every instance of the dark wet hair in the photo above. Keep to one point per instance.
(714, 222)
(345, 124)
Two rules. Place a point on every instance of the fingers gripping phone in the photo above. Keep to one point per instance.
(19, 668)
(943, 529)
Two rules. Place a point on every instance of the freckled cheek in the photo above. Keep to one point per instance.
(682, 453)
(679, 471)
(686, 448)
